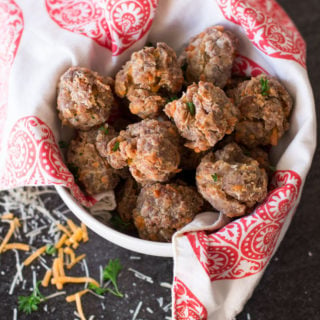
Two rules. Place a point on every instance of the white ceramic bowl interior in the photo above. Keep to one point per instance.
(153, 248)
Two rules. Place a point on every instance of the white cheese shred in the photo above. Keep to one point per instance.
(134, 317)
(15, 314)
(141, 276)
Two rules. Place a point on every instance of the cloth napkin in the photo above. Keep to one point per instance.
(214, 272)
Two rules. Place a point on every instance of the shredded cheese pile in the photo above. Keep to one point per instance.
(72, 236)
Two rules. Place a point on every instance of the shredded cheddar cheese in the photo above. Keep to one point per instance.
(7, 216)
(60, 257)
(72, 226)
(67, 279)
(46, 278)
(79, 307)
(75, 261)
(70, 252)
(13, 225)
(56, 275)
(63, 229)
(61, 241)
(85, 236)
(34, 255)
(72, 297)
(16, 245)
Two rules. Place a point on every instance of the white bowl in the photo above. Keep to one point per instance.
(153, 248)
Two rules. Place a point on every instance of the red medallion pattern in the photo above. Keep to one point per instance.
(244, 246)
(11, 28)
(113, 24)
(186, 305)
(268, 27)
(244, 66)
(33, 158)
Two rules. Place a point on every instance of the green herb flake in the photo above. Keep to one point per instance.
(92, 117)
(97, 290)
(28, 304)
(63, 144)
(272, 168)
(150, 44)
(264, 86)
(74, 170)
(116, 146)
(184, 67)
(191, 108)
(104, 130)
(214, 177)
(50, 249)
(119, 224)
(111, 272)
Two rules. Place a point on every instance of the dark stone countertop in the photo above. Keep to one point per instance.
(289, 289)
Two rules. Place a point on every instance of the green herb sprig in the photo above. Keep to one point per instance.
(28, 304)
(191, 108)
(214, 177)
(104, 130)
(264, 86)
(50, 249)
(116, 146)
(119, 224)
(111, 272)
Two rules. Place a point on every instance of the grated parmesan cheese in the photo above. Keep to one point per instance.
(141, 276)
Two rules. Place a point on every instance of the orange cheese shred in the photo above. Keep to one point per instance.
(46, 278)
(7, 216)
(85, 236)
(79, 307)
(75, 261)
(56, 275)
(74, 280)
(61, 241)
(13, 225)
(63, 229)
(16, 245)
(34, 255)
(70, 252)
(72, 297)
(72, 226)
(60, 265)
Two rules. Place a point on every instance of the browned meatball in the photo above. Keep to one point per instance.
(209, 56)
(265, 107)
(151, 74)
(150, 148)
(231, 181)
(203, 115)
(84, 98)
(163, 209)
(92, 171)
(127, 199)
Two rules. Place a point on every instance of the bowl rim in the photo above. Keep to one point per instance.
(153, 248)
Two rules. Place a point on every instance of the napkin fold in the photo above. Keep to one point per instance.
(217, 263)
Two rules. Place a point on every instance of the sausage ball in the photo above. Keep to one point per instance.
(92, 171)
(230, 181)
(146, 80)
(84, 98)
(150, 148)
(163, 209)
(209, 56)
(203, 115)
(127, 199)
(265, 107)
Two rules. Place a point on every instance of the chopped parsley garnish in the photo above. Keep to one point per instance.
(118, 223)
(50, 249)
(214, 177)
(184, 67)
(264, 86)
(74, 170)
(272, 168)
(116, 146)
(28, 304)
(104, 130)
(97, 290)
(111, 272)
(63, 144)
(172, 99)
(191, 108)
(150, 44)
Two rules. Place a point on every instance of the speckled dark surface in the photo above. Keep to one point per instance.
(290, 287)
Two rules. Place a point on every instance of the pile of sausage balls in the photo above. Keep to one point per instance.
(174, 136)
